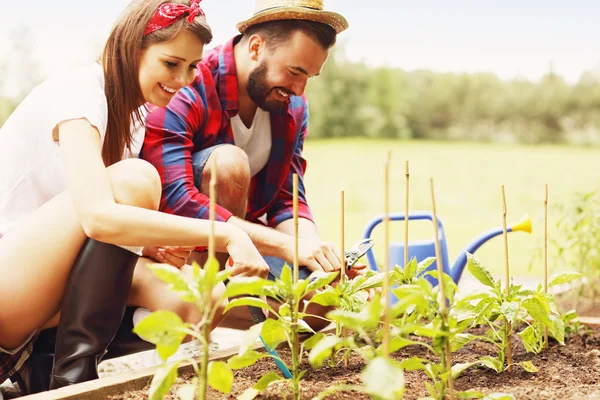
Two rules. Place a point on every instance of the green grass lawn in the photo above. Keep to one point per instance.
(468, 179)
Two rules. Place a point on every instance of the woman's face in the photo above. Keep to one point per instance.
(167, 67)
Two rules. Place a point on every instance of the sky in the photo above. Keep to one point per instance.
(511, 38)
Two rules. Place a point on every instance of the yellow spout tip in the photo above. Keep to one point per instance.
(524, 225)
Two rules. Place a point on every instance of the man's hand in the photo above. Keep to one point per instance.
(318, 255)
(175, 255)
(244, 259)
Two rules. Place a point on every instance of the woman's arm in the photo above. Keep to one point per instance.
(105, 220)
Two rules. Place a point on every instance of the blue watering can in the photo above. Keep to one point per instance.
(423, 249)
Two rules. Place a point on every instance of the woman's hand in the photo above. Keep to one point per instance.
(244, 259)
(174, 255)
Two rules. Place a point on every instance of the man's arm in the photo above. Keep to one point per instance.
(171, 137)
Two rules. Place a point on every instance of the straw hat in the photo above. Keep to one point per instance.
(310, 10)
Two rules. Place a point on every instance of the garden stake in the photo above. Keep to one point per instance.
(386, 264)
(443, 309)
(295, 310)
(546, 258)
(507, 324)
(406, 218)
(344, 266)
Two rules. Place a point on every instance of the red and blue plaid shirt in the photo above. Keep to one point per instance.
(199, 117)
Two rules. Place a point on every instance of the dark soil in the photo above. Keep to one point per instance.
(565, 372)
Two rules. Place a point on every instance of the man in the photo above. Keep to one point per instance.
(248, 111)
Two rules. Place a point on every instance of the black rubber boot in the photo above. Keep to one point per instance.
(92, 311)
(34, 376)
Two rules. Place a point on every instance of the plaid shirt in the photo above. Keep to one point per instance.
(10, 364)
(199, 117)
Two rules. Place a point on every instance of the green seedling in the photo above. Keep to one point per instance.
(167, 331)
(281, 328)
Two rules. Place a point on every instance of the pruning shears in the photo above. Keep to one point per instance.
(352, 256)
(357, 251)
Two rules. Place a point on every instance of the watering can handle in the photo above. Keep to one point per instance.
(417, 215)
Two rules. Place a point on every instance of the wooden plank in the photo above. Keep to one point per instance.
(592, 322)
(99, 389)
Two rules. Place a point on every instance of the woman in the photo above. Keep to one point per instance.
(73, 196)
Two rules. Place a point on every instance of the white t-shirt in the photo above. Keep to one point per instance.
(31, 170)
(255, 141)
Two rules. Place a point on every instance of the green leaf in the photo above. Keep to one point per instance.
(530, 340)
(459, 368)
(220, 376)
(304, 327)
(165, 329)
(163, 379)
(250, 338)
(262, 384)
(322, 350)
(479, 271)
(273, 333)
(177, 281)
(372, 282)
(469, 395)
(413, 364)
(528, 366)
(209, 278)
(423, 265)
(249, 301)
(539, 311)
(509, 310)
(187, 392)
(558, 329)
(499, 396)
(252, 286)
(383, 378)
(460, 340)
(327, 298)
(245, 360)
(491, 362)
(410, 269)
(563, 277)
(312, 341)
(286, 277)
(300, 288)
(319, 279)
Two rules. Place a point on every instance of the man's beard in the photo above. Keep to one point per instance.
(258, 90)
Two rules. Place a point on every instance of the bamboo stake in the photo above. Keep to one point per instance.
(406, 217)
(440, 269)
(507, 324)
(386, 264)
(295, 309)
(343, 259)
(546, 258)
(212, 191)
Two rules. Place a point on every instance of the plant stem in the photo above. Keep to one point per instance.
(446, 358)
(204, 364)
(507, 324)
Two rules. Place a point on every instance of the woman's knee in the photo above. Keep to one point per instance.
(136, 183)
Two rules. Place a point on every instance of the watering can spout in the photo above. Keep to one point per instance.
(523, 225)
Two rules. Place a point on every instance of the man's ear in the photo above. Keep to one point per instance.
(256, 45)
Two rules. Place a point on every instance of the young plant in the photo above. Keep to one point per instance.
(167, 330)
(280, 329)
(534, 309)
(382, 378)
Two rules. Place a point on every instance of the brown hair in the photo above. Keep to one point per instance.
(120, 62)
(278, 32)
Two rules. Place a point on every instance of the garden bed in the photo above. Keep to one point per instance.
(565, 372)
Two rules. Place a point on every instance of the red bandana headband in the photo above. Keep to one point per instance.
(169, 13)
